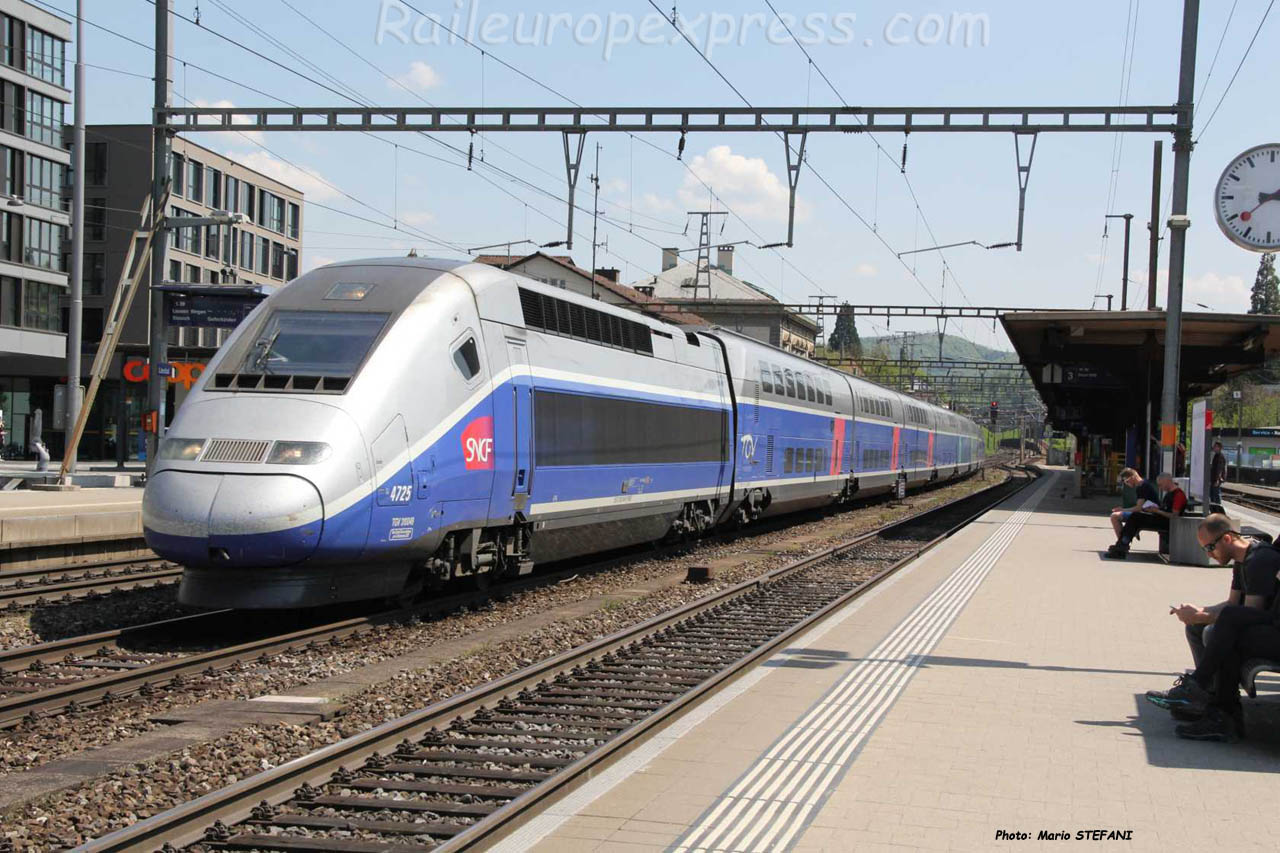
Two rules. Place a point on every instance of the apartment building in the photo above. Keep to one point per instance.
(262, 251)
(34, 196)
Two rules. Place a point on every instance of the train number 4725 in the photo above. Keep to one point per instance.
(399, 494)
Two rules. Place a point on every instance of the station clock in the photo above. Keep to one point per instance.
(1247, 199)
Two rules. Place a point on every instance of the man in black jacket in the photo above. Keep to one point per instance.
(1217, 474)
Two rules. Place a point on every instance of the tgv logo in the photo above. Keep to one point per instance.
(477, 445)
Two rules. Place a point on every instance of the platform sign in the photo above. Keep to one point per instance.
(1201, 420)
(208, 310)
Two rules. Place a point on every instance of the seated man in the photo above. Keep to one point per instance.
(1211, 694)
(1150, 517)
(1253, 578)
(1145, 492)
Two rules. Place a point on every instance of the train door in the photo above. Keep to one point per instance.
(392, 519)
(521, 425)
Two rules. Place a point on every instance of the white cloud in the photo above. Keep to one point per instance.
(1225, 293)
(866, 270)
(254, 135)
(309, 181)
(311, 262)
(743, 183)
(420, 78)
(654, 203)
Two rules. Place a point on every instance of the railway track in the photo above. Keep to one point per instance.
(454, 774)
(1253, 500)
(81, 672)
(27, 588)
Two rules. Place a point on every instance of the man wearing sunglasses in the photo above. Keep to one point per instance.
(1209, 697)
(1253, 578)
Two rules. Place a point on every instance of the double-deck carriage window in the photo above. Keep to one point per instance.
(791, 384)
(766, 385)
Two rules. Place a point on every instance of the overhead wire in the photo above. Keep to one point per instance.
(536, 82)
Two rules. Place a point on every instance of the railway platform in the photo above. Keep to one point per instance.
(40, 527)
(988, 695)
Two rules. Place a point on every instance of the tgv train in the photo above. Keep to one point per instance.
(378, 427)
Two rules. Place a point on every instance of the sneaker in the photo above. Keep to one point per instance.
(1117, 552)
(1186, 694)
(1185, 715)
(1214, 725)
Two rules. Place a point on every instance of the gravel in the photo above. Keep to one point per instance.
(111, 802)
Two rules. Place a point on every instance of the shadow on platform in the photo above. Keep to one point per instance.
(1256, 754)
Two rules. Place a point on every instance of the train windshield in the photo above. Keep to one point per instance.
(313, 343)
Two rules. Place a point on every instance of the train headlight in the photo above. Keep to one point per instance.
(182, 449)
(298, 453)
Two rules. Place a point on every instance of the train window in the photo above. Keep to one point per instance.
(791, 385)
(766, 385)
(788, 460)
(808, 459)
(313, 343)
(808, 387)
(467, 359)
(826, 391)
(822, 460)
(576, 429)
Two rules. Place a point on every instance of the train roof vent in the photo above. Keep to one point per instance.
(570, 320)
(235, 450)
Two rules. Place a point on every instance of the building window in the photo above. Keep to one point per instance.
(275, 213)
(230, 239)
(91, 325)
(95, 219)
(261, 217)
(95, 163)
(10, 301)
(11, 32)
(44, 182)
(12, 171)
(42, 246)
(246, 250)
(248, 194)
(295, 218)
(290, 264)
(175, 270)
(193, 275)
(46, 56)
(177, 174)
(195, 181)
(264, 256)
(9, 241)
(212, 241)
(40, 308)
(44, 119)
(277, 260)
(95, 273)
(213, 187)
(233, 194)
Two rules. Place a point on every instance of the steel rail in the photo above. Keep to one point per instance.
(186, 824)
(35, 594)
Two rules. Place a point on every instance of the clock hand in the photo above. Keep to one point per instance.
(1263, 198)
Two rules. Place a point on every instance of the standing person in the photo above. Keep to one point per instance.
(1217, 474)
(36, 445)
(1145, 491)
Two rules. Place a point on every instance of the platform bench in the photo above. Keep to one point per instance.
(1252, 669)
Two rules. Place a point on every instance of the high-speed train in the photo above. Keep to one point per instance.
(377, 427)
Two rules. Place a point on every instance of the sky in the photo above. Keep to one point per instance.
(385, 194)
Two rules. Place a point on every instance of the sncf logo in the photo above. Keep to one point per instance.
(477, 445)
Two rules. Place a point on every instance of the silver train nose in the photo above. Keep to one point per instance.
(232, 520)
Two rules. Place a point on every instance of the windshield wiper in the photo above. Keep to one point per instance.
(264, 348)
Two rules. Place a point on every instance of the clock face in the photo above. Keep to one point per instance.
(1247, 201)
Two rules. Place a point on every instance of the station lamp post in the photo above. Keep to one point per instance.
(1124, 287)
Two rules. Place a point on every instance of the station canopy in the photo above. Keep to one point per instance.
(1096, 370)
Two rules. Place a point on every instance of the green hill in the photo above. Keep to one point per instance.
(925, 345)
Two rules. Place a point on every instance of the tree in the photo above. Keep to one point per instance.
(844, 337)
(1265, 298)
